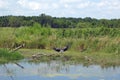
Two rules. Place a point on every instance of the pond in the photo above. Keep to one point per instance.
(57, 70)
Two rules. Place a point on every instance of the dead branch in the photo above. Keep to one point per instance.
(17, 48)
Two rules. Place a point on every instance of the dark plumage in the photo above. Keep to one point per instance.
(65, 48)
(56, 49)
(61, 49)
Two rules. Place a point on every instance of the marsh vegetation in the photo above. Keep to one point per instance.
(6, 56)
(81, 39)
(101, 44)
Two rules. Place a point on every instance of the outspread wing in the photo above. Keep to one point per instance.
(61, 50)
(56, 49)
(65, 48)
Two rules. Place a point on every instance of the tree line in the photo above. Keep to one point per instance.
(57, 22)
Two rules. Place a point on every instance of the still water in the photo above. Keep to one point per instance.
(57, 70)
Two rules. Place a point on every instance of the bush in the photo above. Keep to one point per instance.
(7, 55)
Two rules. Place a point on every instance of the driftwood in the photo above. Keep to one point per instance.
(17, 48)
(36, 56)
(40, 55)
(87, 58)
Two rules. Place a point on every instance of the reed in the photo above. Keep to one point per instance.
(6, 56)
(100, 39)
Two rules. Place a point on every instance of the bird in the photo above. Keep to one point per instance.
(61, 50)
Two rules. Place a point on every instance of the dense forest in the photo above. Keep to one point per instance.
(56, 22)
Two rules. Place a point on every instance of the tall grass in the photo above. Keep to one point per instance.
(82, 39)
(6, 56)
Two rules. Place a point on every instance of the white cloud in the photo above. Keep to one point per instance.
(37, 5)
(69, 1)
(84, 4)
(106, 4)
(30, 4)
(22, 2)
(66, 5)
(101, 4)
(3, 4)
(115, 5)
(34, 5)
(61, 8)
(55, 5)
(109, 4)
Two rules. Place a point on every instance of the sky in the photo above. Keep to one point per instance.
(108, 9)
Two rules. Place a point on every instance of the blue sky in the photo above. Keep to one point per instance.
(108, 9)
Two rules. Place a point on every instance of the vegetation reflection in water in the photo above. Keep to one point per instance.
(57, 70)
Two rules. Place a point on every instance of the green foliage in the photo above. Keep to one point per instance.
(54, 22)
(5, 55)
(82, 39)
(88, 32)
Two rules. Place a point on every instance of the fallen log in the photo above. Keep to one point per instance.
(17, 48)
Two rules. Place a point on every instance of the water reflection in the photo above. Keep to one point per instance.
(57, 70)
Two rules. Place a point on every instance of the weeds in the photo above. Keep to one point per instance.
(6, 56)
(83, 39)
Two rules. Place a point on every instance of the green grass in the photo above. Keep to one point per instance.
(6, 56)
(103, 59)
(83, 39)
(101, 44)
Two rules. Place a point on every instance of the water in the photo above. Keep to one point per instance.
(57, 70)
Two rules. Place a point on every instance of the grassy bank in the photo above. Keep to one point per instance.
(99, 39)
(6, 56)
(101, 44)
(103, 59)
